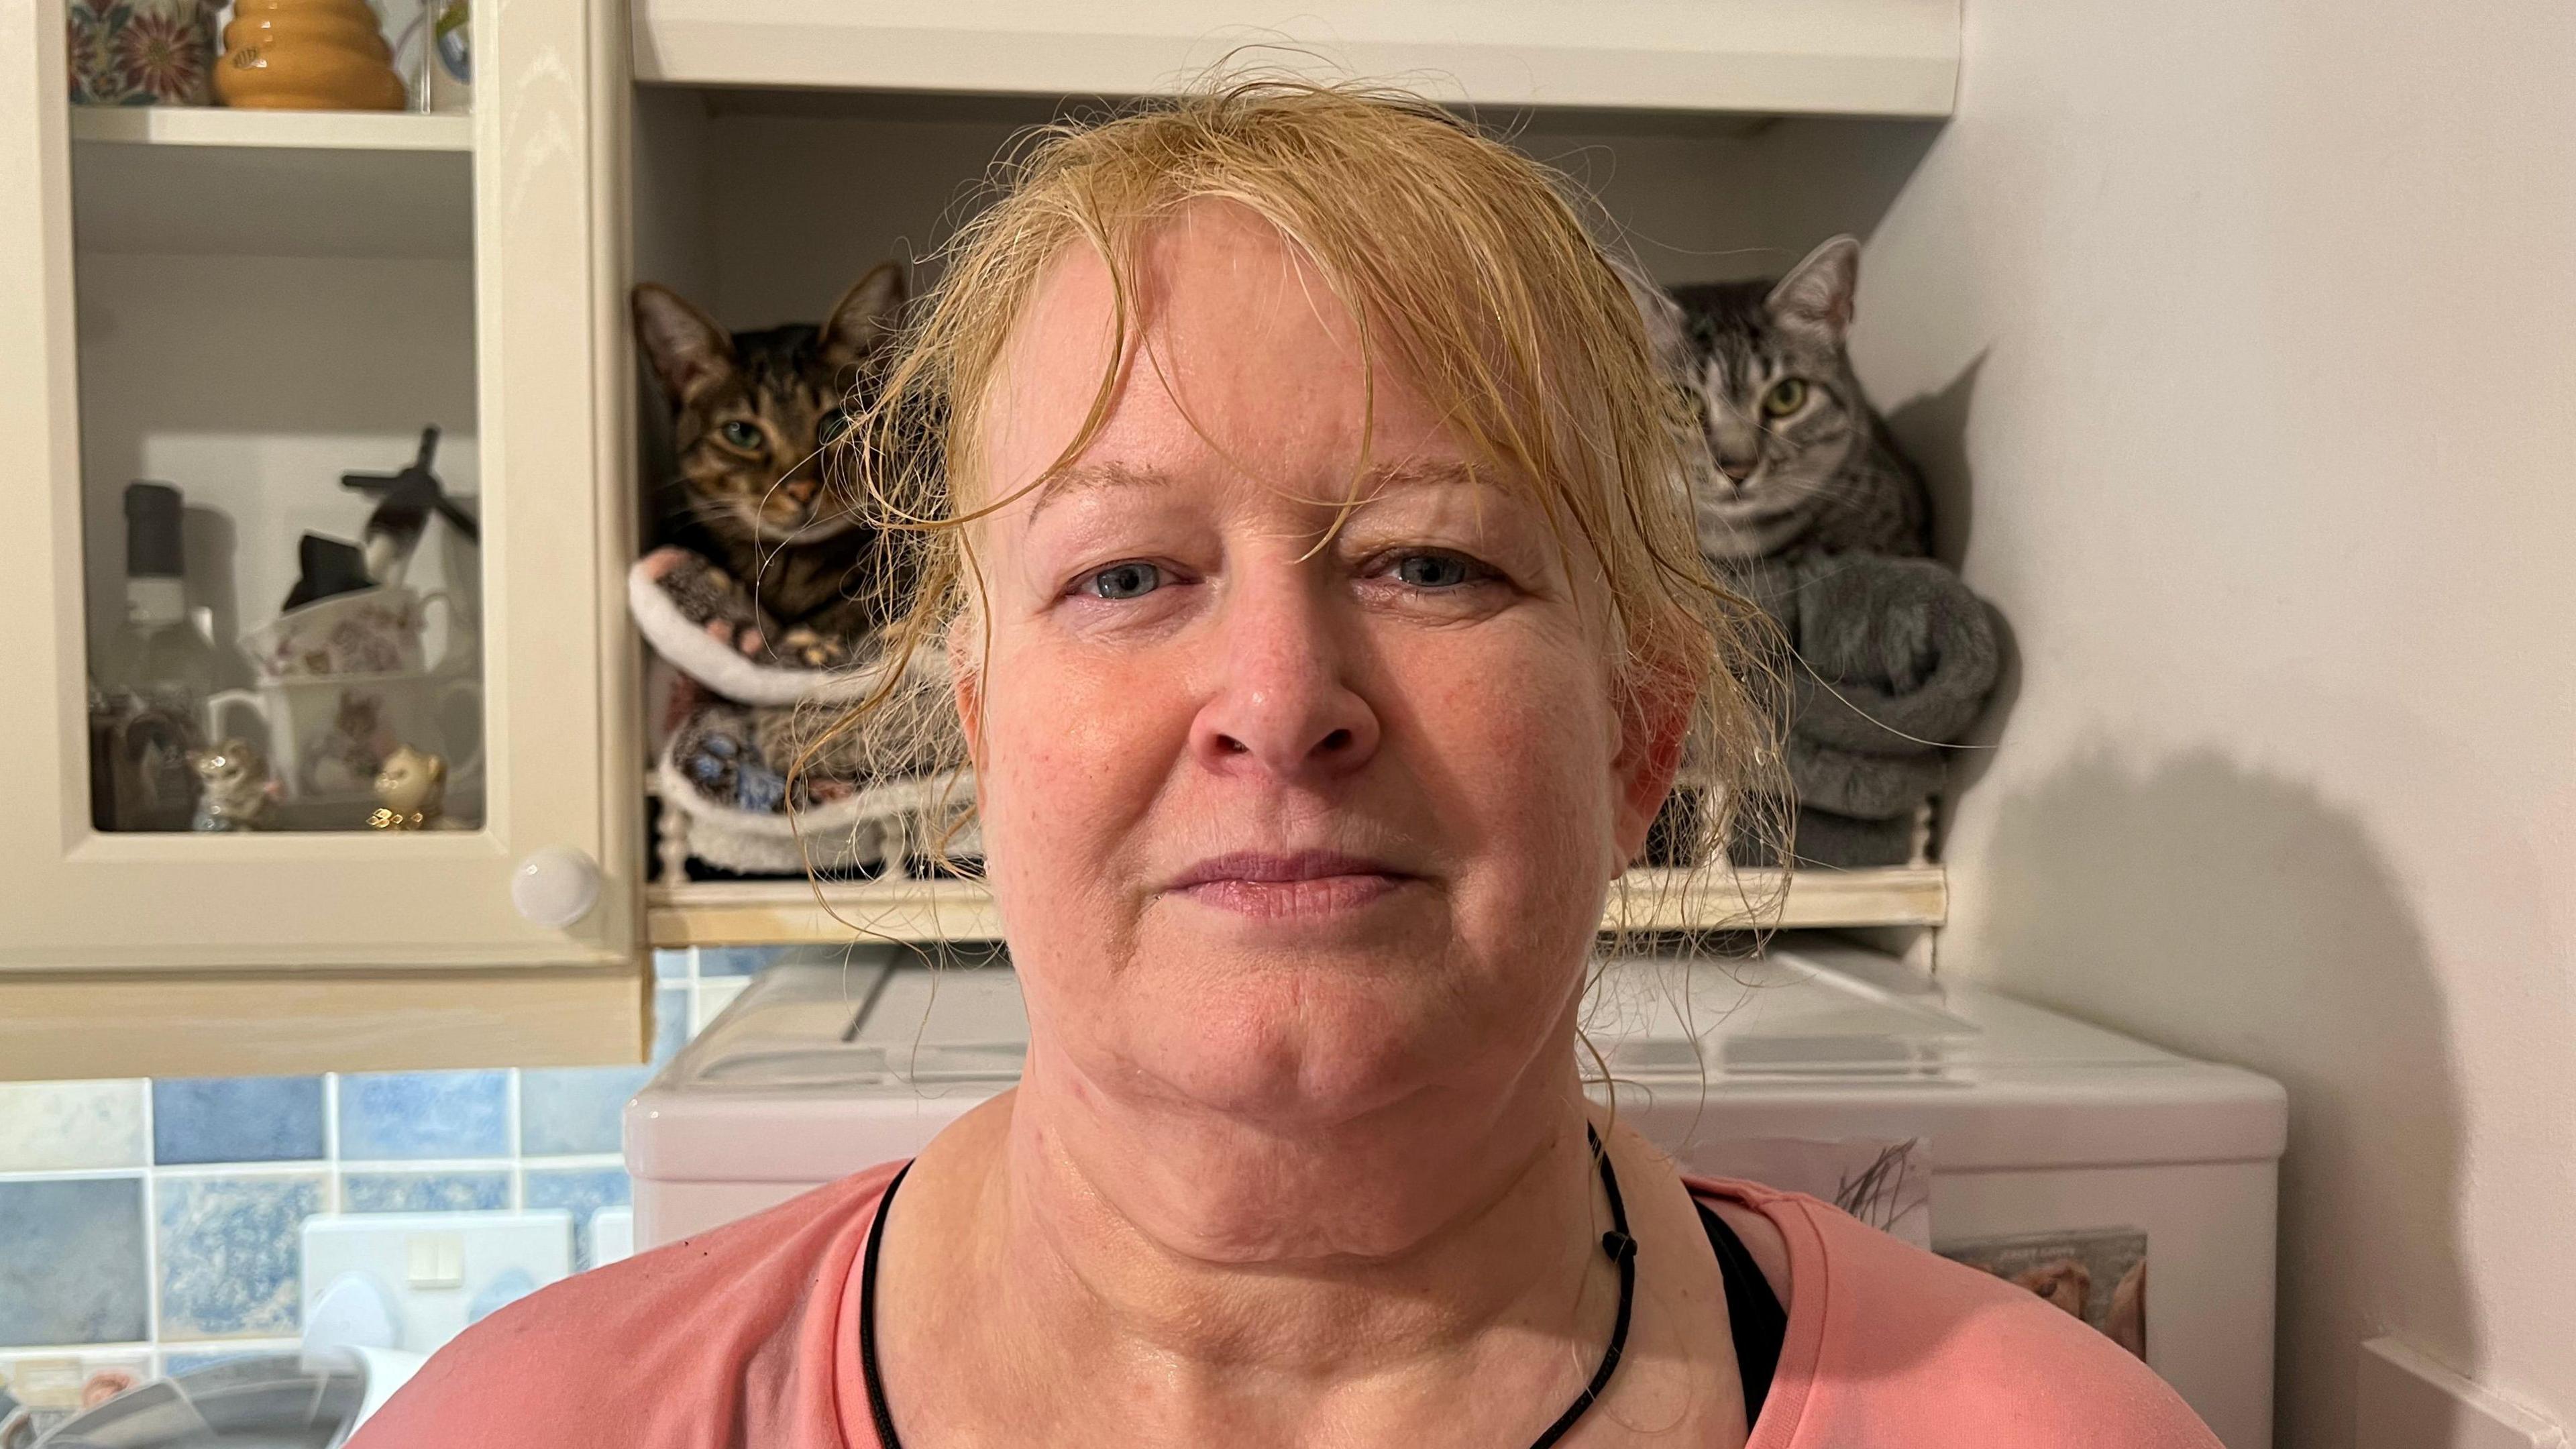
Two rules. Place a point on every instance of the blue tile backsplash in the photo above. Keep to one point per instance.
(583, 1192)
(51, 1126)
(424, 1192)
(237, 1119)
(71, 1261)
(219, 1175)
(424, 1114)
(231, 1253)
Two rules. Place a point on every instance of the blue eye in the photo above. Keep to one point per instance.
(1123, 581)
(741, 434)
(1433, 570)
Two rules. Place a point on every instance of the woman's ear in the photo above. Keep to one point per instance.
(1654, 723)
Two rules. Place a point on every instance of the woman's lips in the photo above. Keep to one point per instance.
(1301, 883)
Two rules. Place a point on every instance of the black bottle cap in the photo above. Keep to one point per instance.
(152, 524)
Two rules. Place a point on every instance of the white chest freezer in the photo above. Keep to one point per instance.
(2058, 1154)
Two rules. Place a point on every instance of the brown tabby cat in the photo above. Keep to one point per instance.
(753, 416)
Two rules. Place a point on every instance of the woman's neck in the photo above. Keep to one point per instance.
(1431, 1276)
(1404, 1233)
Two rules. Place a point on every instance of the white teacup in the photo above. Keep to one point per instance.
(368, 631)
(326, 737)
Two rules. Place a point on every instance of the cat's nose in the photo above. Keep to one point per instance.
(1737, 467)
(800, 487)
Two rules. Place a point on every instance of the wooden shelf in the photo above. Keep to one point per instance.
(197, 181)
(1767, 57)
(289, 130)
(785, 913)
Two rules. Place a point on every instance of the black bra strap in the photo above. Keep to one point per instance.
(1753, 1312)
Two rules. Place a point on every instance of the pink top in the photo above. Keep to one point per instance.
(748, 1335)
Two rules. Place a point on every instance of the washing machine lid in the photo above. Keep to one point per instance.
(1818, 1010)
(872, 1018)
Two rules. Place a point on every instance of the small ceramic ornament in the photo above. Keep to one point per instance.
(411, 790)
(307, 55)
(235, 789)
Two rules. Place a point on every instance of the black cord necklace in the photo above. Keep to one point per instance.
(1623, 1251)
(1616, 1242)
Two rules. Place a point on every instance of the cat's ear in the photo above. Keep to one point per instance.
(865, 317)
(689, 352)
(1666, 335)
(1816, 296)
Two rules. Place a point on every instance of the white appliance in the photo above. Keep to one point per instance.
(2048, 1141)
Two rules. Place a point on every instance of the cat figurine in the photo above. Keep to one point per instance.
(234, 791)
(761, 496)
(1795, 460)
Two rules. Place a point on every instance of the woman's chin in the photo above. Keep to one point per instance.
(1297, 1048)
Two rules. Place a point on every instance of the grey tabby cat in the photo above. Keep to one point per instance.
(1796, 461)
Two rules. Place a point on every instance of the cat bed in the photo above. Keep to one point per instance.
(1895, 662)
(709, 627)
(744, 815)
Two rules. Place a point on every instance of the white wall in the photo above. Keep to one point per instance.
(2242, 340)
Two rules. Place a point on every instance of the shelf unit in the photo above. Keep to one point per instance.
(1769, 57)
(205, 181)
(783, 913)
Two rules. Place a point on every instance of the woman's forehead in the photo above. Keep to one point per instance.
(1236, 344)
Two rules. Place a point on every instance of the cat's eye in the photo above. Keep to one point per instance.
(833, 424)
(1785, 397)
(740, 433)
(1123, 581)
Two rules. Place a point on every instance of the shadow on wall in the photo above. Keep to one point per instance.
(2239, 916)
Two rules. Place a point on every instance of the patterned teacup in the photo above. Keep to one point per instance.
(369, 631)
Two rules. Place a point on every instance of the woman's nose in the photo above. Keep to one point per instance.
(1285, 705)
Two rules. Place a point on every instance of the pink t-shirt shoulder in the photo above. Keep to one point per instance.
(748, 1335)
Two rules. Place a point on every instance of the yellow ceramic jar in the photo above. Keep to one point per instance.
(307, 55)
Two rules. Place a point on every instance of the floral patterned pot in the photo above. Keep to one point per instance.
(142, 52)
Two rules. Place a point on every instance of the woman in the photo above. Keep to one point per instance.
(1325, 631)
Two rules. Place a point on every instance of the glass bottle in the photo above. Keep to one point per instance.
(158, 670)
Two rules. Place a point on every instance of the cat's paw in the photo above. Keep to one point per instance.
(803, 648)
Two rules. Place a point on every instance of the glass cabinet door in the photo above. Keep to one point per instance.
(311, 634)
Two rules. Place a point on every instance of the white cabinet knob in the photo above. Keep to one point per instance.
(555, 887)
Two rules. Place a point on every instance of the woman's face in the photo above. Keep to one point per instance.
(1287, 821)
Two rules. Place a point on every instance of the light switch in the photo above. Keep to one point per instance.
(437, 1260)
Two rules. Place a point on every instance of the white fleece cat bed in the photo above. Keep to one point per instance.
(714, 660)
(878, 826)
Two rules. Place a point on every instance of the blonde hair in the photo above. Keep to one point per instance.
(1465, 267)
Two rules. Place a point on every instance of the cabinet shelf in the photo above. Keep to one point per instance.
(1768, 57)
(199, 181)
(785, 913)
(279, 130)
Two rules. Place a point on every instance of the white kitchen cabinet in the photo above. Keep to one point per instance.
(247, 305)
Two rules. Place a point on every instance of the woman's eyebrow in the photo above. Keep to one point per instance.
(1090, 477)
(1378, 479)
